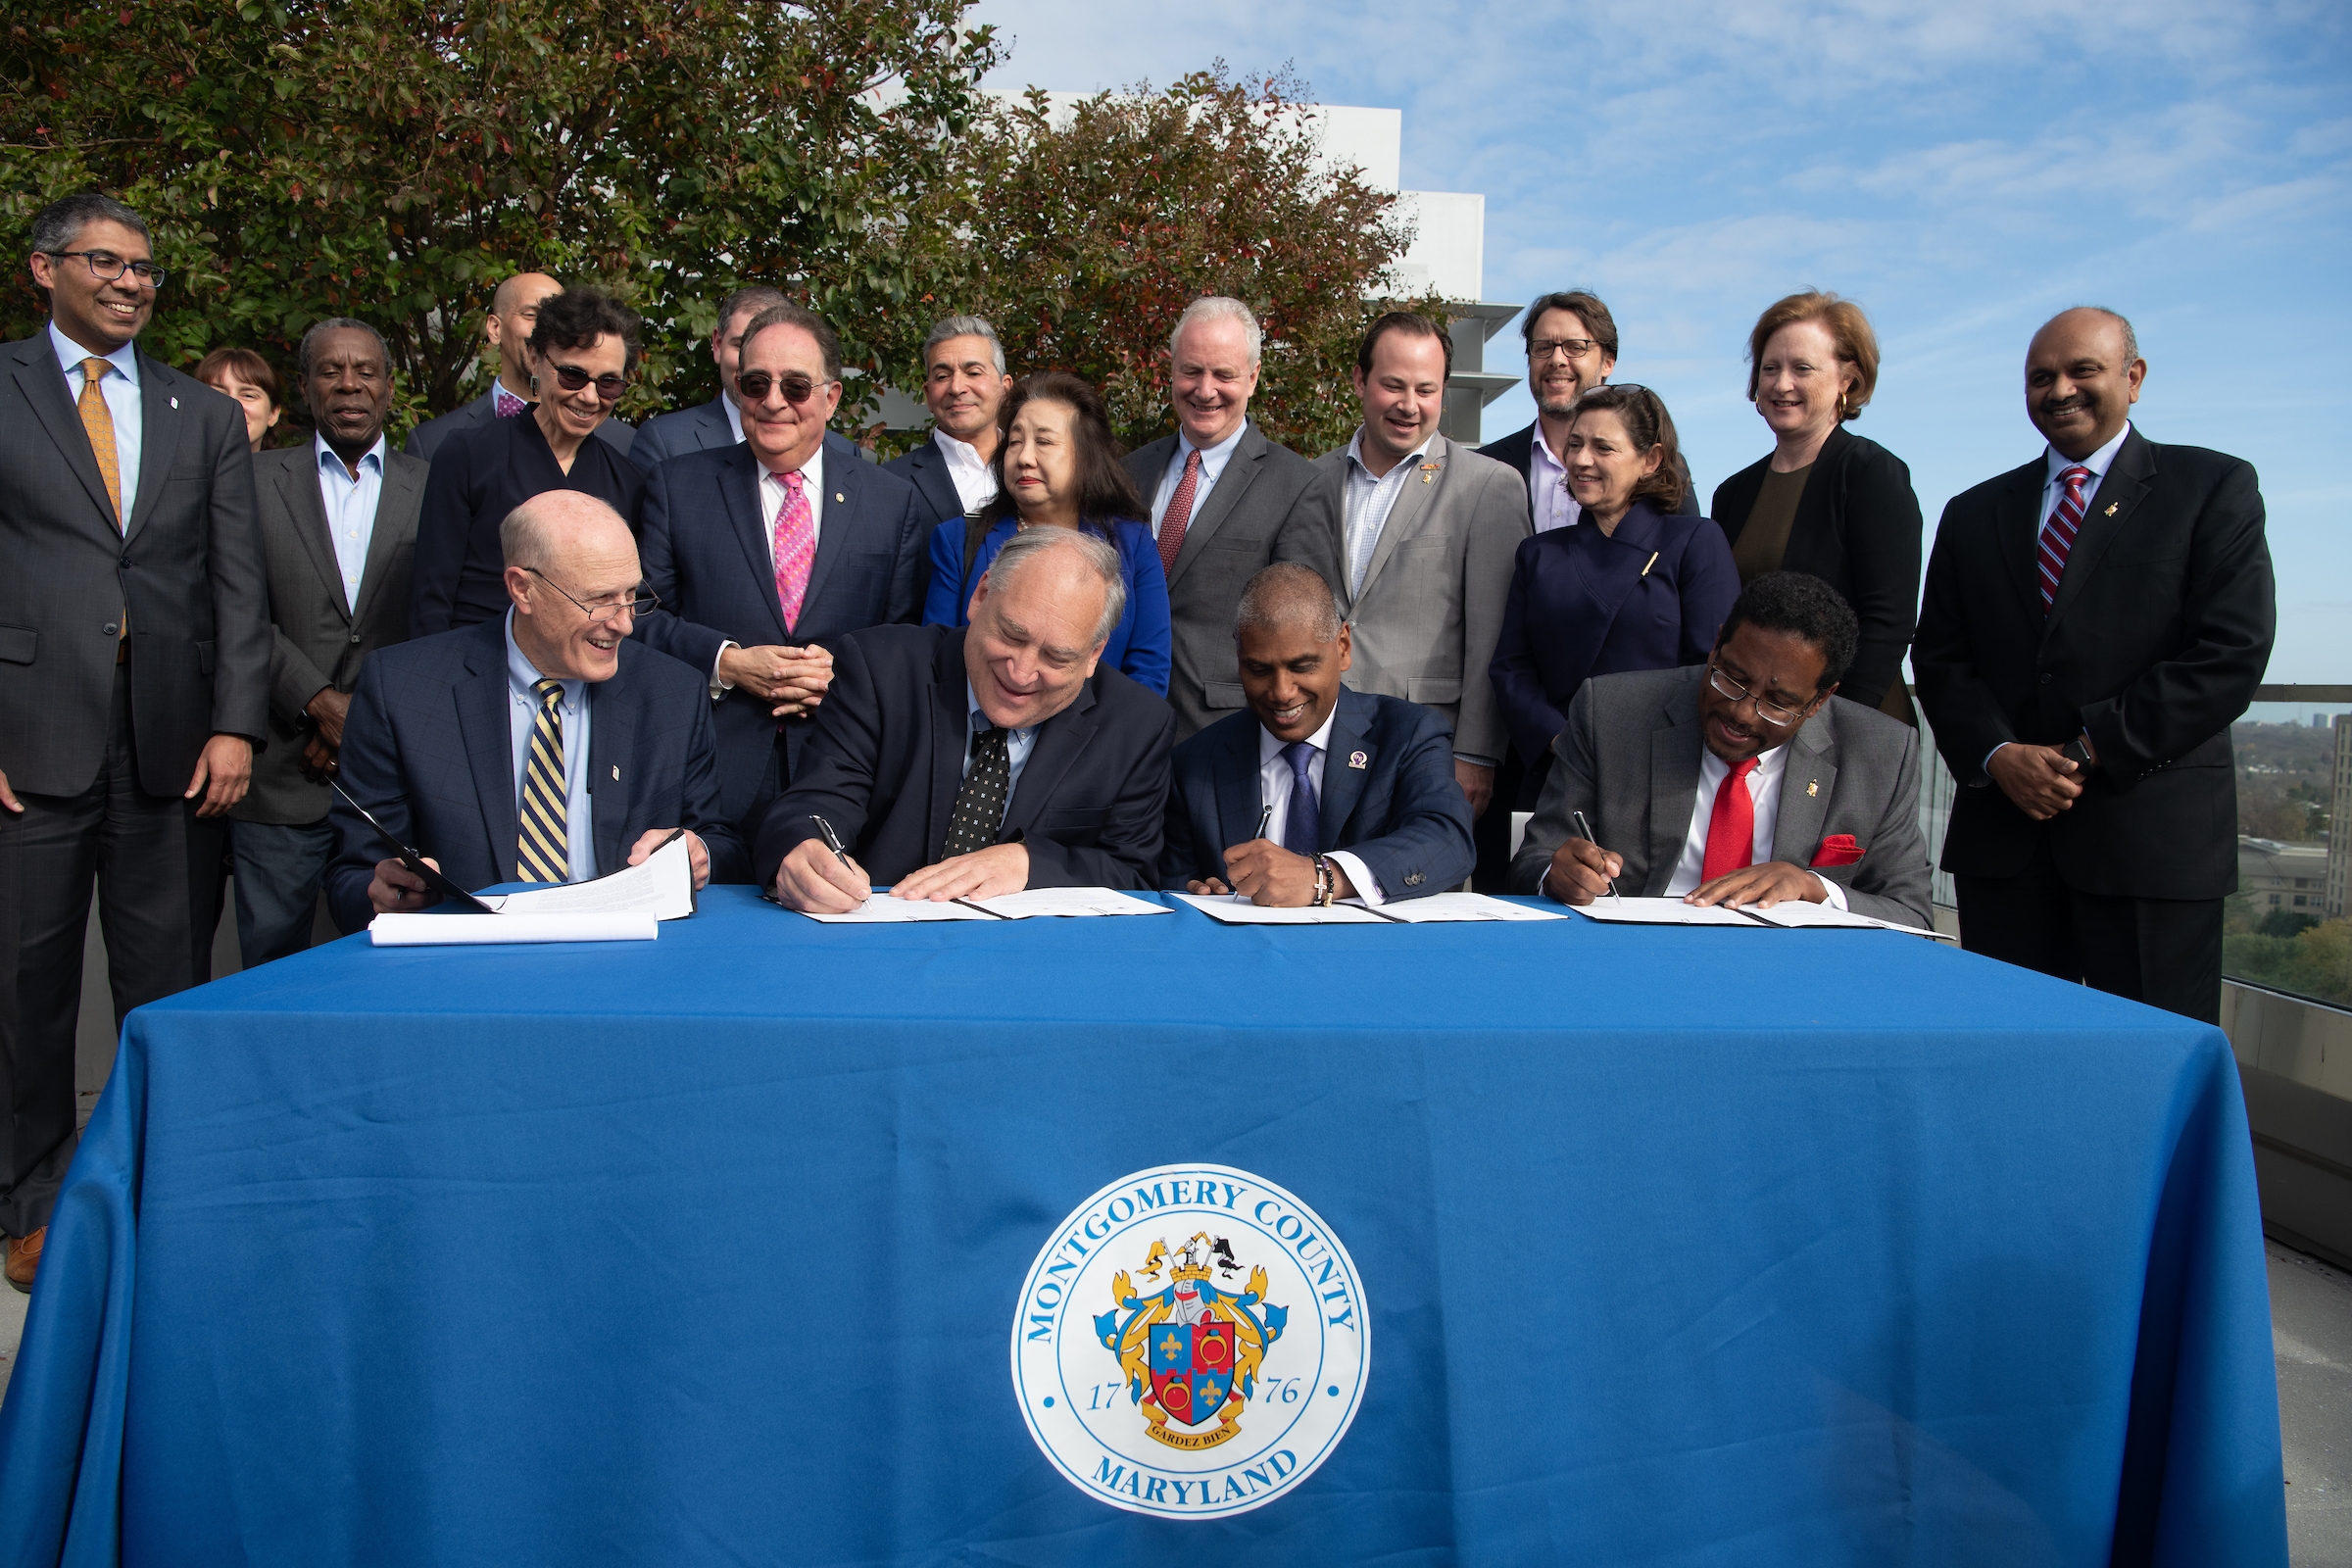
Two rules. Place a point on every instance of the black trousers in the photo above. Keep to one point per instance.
(2164, 952)
(157, 869)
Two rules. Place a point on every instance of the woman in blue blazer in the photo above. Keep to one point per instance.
(1627, 586)
(1059, 467)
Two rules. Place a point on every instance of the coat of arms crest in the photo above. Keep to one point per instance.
(1191, 1349)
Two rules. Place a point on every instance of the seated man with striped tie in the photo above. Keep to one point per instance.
(1744, 780)
(542, 746)
(971, 762)
(1314, 792)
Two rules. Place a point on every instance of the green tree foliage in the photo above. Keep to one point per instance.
(1082, 233)
(393, 158)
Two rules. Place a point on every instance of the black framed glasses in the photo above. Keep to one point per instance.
(106, 267)
(1543, 348)
(642, 600)
(797, 388)
(573, 379)
(1770, 712)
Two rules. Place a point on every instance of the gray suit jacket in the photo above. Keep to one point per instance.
(428, 436)
(317, 640)
(188, 571)
(1267, 506)
(1431, 605)
(1630, 756)
(675, 434)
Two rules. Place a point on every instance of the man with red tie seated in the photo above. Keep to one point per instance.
(1744, 780)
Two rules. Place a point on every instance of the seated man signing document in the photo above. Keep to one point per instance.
(1742, 781)
(1315, 792)
(971, 762)
(539, 746)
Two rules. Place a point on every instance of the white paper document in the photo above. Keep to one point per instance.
(662, 885)
(1440, 909)
(471, 930)
(1064, 903)
(883, 910)
(1224, 909)
(1798, 915)
(1662, 911)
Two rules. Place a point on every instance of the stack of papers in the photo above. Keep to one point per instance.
(621, 907)
(1438, 909)
(471, 930)
(1447, 908)
(1800, 916)
(1228, 908)
(1029, 905)
(1795, 915)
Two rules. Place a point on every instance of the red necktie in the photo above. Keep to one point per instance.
(796, 546)
(1179, 513)
(1730, 826)
(2058, 534)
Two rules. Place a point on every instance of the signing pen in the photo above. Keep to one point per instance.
(832, 840)
(1583, 830)
(1263, 817)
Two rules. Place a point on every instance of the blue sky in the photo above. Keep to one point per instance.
(1962, 171)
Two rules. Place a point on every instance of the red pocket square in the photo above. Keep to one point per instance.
(1839, 849)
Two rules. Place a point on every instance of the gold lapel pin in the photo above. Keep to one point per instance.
(1813, 788)
(839, 497)
(2111, 506)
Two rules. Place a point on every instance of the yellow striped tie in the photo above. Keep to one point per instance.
(99, 422)
(545, 843)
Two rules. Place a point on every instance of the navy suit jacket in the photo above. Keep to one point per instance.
(428, 750)
(925, 468)
(1583, 603)
(427, 437)
(1401, 812)
(700, 428)
(706, 552)
(887, 759)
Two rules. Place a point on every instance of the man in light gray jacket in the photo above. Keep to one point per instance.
(1427, 531)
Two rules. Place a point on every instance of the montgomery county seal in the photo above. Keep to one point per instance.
(1192, 1342)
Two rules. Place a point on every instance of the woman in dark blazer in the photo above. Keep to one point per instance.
(1629, 585)
(1826, 500)
(1058, 466)
(581, 353)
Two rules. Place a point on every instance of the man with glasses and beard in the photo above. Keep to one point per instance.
(1745, 780)
(545, 745)
(765, 554)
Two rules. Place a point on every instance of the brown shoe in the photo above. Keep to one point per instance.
(24, 1258)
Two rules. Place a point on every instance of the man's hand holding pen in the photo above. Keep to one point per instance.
(1582, 872)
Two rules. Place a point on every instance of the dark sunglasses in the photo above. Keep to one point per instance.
(571, 379)
(753, 385)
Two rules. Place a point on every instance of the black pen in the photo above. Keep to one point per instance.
(832, 841)
(1583, 830)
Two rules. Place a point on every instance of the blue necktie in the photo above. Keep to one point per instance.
(1302, 825)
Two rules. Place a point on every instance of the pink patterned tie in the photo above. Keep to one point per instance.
(796, 546)
(2058, 534)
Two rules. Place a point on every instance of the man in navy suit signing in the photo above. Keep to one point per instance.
(1316, 792)
(763, 555)
(544, 746)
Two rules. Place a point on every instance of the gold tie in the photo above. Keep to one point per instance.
(545, 841)
(99, 422)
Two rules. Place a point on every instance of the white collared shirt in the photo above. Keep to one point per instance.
(1213, 466)
(772, 501)
(122, 393)
(2055, 464)
(968, 472)
(1370, 499)
(1763, 786)
(1275, 786)
(1547, 492)
(1018, 743)
(350, 509)
(522, 712)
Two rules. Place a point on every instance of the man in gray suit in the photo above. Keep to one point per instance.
(1745, 780)
(1427, 533)
(1226, 503)
(717, 422)
(513, 312)
(338, 524)
(134, 673)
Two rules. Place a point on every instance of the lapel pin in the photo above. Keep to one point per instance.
(2111, 506)
(615, 772)
(1429, 471)
(1356, 759)
(1813, 788)
(175, 403)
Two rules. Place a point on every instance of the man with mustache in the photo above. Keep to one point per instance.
(2093, 624)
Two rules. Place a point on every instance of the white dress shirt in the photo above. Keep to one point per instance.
(1019, 744)
(122, 393)
(968, 472)
(1213, 465)
(350, 509)
(1275, 786)
(1763, 786)
(522, 712)
(1548, 488)
(1370, 499)
(771, 507)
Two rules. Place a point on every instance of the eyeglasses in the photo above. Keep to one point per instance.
(1574, 348)
(1770, 712)
(106, 267)
(642, 602)
(797, 388)
(571, 379)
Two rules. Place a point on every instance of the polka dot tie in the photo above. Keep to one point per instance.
(980, 803)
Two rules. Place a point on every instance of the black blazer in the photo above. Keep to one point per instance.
(190, 573)
(426, 440)
(1518, 451)
(2160, 632)
(477, 478)
(925, 468)
(429, 750)
(888, 755)
(706, 553)
(1858, 529)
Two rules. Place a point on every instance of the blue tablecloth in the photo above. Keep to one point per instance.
(1680, 1248)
